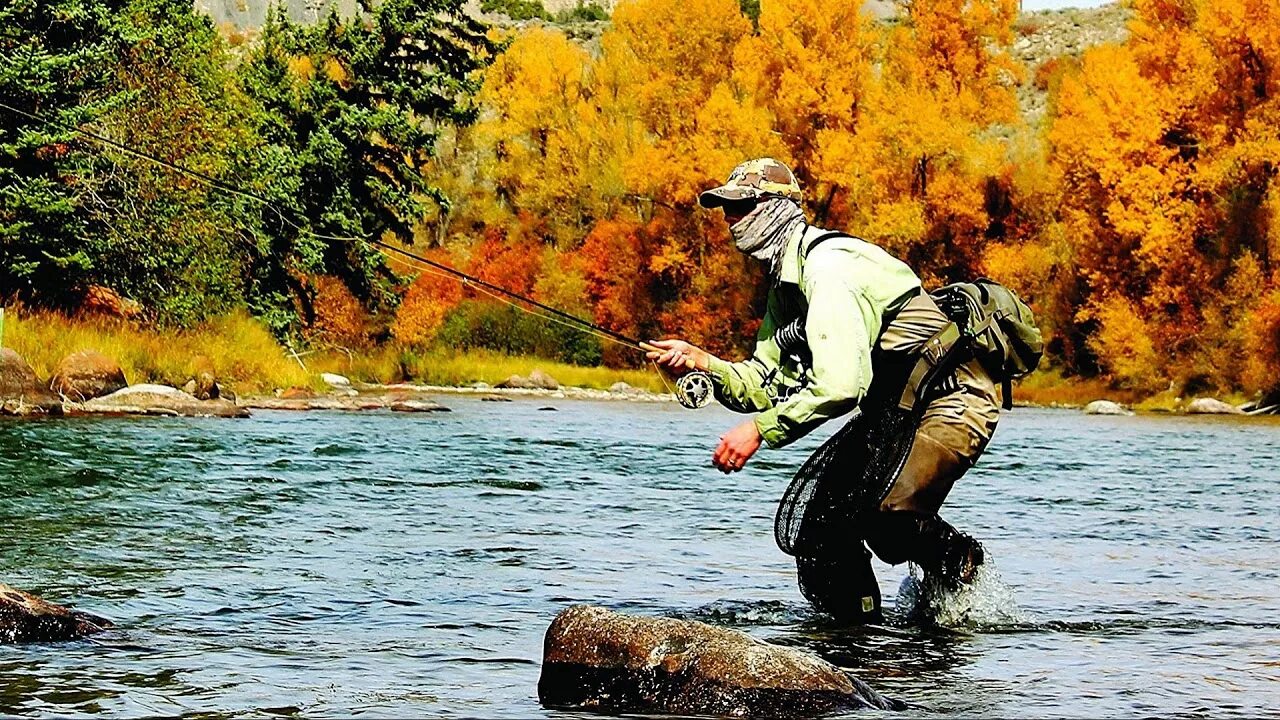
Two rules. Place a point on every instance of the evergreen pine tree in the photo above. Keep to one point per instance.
(55, 62)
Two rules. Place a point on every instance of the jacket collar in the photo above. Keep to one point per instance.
(791, 263)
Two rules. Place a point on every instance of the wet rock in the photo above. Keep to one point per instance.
(543, 381)
(160, 400)
(316, 403)
(418, 406)
(1210, 406)
(335, 380)
(602, 661)
(495, 398)
(1106, 407)
(25, 618)
(21, 392)
(86, 375)
(548, 408)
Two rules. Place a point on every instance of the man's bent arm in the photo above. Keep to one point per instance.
(840, 326)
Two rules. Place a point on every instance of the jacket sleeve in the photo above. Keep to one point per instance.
(841, 324)
(742, 386)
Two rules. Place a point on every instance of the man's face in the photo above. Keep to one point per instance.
(738, 209)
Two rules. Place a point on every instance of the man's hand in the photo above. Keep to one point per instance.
(736, 447)
(677, 356)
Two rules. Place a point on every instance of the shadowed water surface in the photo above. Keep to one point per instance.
(399, 564)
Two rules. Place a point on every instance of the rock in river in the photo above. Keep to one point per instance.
(417, 406)
(21, 393)
(1210, 406)
(160, 400)
(595, 659)
(86, 375)
(1105, 407)
(26, 618)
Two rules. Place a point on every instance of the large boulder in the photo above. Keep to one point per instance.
(543, 381)
(25, 618)
(86, 375)
(537, 380)
(1210, 406)
(21, 392)
(335, 380)
(518, 382)
(160, 400)
(1106, 407)
(602, 661)
(105, 302)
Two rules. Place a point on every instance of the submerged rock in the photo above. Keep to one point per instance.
(1106, 407)
(598, 660)
(1210, 406)
(25, 618)
(86, 375)
(160, 400)
(21, 392)
(417, 406)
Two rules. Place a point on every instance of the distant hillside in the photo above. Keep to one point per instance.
(1041, 36)
(247, 14)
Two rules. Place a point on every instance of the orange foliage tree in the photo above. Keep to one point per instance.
(1167, 148)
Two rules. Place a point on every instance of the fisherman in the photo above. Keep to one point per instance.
(844, 318)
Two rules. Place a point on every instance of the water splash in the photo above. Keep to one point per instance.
(986, 603)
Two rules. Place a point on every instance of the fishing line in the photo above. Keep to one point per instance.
(693, 390)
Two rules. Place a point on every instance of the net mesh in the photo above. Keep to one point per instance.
(851, 471)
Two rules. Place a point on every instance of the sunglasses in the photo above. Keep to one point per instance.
(740, 207)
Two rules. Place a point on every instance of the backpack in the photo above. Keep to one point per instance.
(1001, 328)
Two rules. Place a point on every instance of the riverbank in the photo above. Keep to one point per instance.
(249, 361)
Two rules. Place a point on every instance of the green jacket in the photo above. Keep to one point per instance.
(843, 289)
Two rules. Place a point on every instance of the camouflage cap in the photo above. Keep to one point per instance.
(753, 179)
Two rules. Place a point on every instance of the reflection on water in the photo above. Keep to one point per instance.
(391, 564)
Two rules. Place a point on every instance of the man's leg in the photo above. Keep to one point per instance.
(954, 432)
(841, 584)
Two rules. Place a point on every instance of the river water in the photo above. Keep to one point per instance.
(408, 565)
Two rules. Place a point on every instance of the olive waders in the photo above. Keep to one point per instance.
(836, 575)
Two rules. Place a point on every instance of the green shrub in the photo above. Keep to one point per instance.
(485, 325)
(583, 12)
(517, 9)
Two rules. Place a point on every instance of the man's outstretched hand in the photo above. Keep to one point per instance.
(736, 447)
(677, 356)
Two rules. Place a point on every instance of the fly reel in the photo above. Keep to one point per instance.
(693, 390)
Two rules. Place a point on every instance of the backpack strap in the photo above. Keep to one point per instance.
(936, 361)
(804, 251)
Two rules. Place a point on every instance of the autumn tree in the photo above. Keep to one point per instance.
(1167, 150)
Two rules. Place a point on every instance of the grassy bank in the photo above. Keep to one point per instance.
(249, 360)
